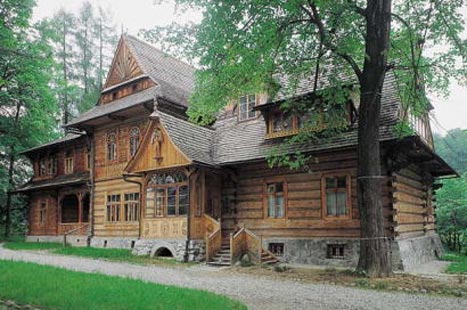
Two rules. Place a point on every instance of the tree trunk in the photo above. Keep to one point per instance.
(100, 54)
(65, 76)
(374, 247)
(11, 166)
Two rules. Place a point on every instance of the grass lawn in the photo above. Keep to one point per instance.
(117, 255)
(15, 245)
(55, 288)
(459, 264)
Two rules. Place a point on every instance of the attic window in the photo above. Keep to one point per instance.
(247, 105)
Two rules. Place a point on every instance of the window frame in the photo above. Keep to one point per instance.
(111, 139)
(112, 216)
(134, 137)
(69, 166)
(248, 104)
(266, 195)
(348, 198)
(163, 211)
(129, 205)
(43, 206)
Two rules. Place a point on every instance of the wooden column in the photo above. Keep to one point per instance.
(80, 206)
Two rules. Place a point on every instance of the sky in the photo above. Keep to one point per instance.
(133, 15)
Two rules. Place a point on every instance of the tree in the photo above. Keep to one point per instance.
(242, 44)
(453, 148)
(27, 106)
(451, 213)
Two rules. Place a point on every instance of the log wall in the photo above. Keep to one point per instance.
(304, 217)
(413, 203)
(49, 226)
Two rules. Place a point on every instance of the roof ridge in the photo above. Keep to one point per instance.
(158, 50)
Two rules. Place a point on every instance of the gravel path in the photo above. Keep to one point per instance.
(256, 292)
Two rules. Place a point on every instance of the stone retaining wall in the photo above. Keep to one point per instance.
(410, 252)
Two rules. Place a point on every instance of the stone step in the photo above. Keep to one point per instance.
(213, 263)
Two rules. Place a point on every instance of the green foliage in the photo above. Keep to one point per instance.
(34, 284)
(453, 148)
(242, 44)
(451, 202)
(459, 264)
(451, 213)
(27, 105)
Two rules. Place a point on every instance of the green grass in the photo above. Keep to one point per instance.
(32, 245)
(55, 288)
(118, 255)
(12, 238)
(459, 264)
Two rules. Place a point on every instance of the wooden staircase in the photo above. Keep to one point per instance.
(223, 256)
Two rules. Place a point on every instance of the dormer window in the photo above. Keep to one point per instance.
(246, 107)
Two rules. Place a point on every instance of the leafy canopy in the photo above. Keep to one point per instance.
(241, 44)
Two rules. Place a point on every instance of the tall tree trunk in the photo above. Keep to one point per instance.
(100, 54)
(65, 76)
(374, 248)
(11, 166)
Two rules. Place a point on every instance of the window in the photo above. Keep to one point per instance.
(247, 105)
(282, 122)
(275, 200)
(113, 208)
(131, 207)
(167, 194)
(69, 162)
(276, 248)
(336, 196)
(111, 146)
(53, 164)
(134, 140)
(42, 167)
(43, 213)
(335, 251)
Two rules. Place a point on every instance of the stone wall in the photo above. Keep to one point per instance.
(410, 252)
(73, 240)
(314, 251)
(113, 243)
(181, 249)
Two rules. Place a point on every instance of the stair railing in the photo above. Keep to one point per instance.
(245, 241)
(213, 237)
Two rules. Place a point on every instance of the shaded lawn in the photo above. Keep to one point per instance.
(458, 265)
(55, 288)
(116, 255)
(18, 245)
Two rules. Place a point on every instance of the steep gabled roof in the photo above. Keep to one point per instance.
(174, 77)
(196, 142)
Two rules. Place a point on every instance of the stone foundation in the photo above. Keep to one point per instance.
(114, 243)
(410, 252)
(314, 251)
(73, 240)
(181, 249)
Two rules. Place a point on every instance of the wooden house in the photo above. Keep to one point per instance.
(137, 174)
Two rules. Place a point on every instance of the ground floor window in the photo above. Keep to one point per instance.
(336, 196)
(123, 211)
(43, 213)
(275, 199)
(335, 251)
(276, 248)
(131, 207)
